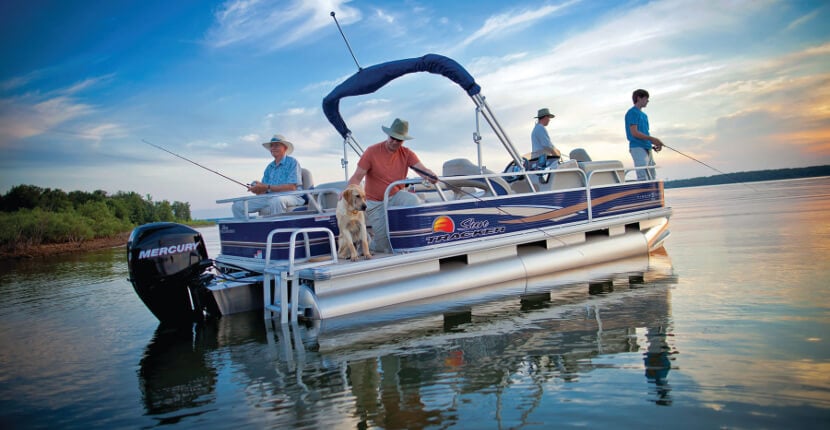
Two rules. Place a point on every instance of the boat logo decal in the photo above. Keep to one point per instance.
(468, 228)
(167, 250)
(443, 224)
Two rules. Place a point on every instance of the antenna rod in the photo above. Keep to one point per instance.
(347, 42)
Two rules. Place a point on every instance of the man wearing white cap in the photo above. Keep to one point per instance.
(381, 164)
(282, 174)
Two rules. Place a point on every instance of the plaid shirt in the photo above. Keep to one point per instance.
(287, 172)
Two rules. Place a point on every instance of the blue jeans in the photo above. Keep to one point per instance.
(643, 158)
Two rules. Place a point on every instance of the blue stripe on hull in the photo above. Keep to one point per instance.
(247, 239)
(459, 221)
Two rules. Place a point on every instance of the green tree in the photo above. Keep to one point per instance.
(22, 197)
(181, 211)
(55, 201)
(163, 211)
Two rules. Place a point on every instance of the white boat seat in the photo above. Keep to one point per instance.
(306, 178)
(308, 184)
(329, 200)
(613, 174)
(558, 179)
(464, 167)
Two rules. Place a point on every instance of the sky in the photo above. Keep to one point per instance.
(737, 85)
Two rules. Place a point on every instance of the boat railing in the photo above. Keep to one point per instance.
(316, 199)
(497, 184)
(289, 274)
(569, 176)
(636, 169)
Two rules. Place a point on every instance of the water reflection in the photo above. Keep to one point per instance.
(175, 373)
(486, 360)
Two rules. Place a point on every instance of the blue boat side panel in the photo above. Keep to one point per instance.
(458, 221)
(626, 199)
(248, 239)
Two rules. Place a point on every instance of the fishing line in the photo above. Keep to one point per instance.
(191, 161)
(701, 162)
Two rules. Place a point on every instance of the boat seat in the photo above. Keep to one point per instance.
(604, 172)
(329, 200)
(307, 184)
(464, 167)
(306, 178)
(579, 154)
(558, 179)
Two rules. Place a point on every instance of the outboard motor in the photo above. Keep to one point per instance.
(167, 263)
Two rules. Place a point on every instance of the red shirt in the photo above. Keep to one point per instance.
(384, 167)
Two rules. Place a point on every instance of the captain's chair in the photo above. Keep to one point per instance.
(308, 182)
(579, 154)
(464, 167)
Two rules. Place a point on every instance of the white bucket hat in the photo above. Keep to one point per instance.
(278, 138)
(398, 130)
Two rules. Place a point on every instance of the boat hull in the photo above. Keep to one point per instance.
(515, 262)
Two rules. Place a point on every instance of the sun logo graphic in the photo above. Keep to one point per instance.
(443, 224)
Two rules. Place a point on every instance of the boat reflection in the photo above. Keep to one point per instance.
(416, 370)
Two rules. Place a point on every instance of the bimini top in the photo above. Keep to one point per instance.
(370, 79)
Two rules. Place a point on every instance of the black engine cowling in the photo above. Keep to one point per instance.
(167, 263)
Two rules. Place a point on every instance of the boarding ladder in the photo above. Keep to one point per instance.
(289, 274)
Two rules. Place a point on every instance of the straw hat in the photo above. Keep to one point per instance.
(543, 113)
(278, 138)
(398, 129)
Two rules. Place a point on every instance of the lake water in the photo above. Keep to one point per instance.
(729, 328)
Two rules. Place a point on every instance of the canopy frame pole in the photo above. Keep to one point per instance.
(352, 143)
(487, 113)
(477, 140)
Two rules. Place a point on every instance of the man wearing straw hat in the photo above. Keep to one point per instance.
(540, 138)
(282, 174)
(381, 164)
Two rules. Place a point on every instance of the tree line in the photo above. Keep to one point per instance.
(31, 215)
(753, 176)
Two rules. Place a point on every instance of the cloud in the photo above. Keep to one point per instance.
(512, 21)
(16, 82)
(31, 114)
(269, 26)
(23, 117)
(803, 20)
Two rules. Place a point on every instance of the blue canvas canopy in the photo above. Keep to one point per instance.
(370, 79)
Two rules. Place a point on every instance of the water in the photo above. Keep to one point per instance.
(729, 329)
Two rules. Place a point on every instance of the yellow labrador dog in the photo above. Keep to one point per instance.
(351, 220)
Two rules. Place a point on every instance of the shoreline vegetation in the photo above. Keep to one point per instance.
(94, 221)
(38, 221)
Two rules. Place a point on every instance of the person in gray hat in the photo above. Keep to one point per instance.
(282, 174)
(381, 164)
(541, 144)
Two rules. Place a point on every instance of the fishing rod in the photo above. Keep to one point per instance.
(191, 161)
(701, 162)
(347, 42)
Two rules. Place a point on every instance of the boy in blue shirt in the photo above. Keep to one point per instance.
(640, 144)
